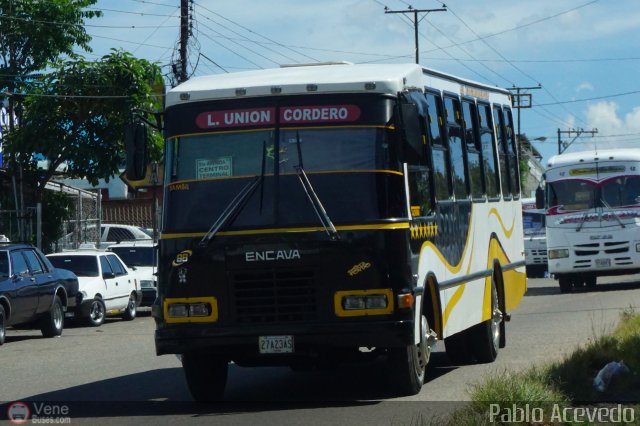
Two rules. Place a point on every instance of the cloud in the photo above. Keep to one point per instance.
(614, 129)
(585, 85)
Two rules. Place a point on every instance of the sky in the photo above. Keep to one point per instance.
(578, 59)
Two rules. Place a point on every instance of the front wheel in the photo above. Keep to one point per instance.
(206, 375)
(409, 364)
(53, 321)
(130, 311)
(566, 284)
(3, 327)
(97, 312)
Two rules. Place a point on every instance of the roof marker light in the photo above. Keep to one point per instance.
(312, 87)
(370, 86)
(185, 96)
(275, 90)
(241, 92)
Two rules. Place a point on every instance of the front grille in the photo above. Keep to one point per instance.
(274, 296)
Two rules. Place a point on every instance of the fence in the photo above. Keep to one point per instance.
(85, 226)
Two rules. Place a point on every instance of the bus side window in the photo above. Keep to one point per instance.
(415, 155)
(512, 153)
(502, 150)
(438, 145)
(474, 150)
(489, 157)
(454, 131)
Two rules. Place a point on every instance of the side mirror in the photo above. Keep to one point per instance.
(539, 198)
(411, 130)
(108, 275)
(135, 143)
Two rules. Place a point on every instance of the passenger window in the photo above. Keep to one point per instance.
(417, 163)
(502, 151)
(439, 150)
(512, 153)
(33, 262)
(106, 267)
(117, 267)
(474, 150)
(20, 267)
(454, 131)
(489, 157)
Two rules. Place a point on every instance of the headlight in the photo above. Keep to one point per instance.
(638, 247)
(371, 301)
(147, 283)
(558, 253)
(178, 310)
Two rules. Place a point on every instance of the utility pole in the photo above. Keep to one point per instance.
(521, 100)
(415, 21)
(184, 38)
(562, 146)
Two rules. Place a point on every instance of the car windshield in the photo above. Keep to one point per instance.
(533, 223)
(82, 266)
(135, 256)
(4, 264)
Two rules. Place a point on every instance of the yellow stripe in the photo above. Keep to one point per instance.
(506, 231)
(381, 226)
(452, 303)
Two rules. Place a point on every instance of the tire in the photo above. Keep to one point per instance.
(130, 311)
(97, 312)
(566, 284)
(3, 325)
(458, 348)
(53, 321)
(409, 364)
(206, 375)
(485, 337)
(590, 281)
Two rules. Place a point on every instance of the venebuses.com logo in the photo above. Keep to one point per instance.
(20, 413)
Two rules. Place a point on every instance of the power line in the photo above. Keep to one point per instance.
(595, 98)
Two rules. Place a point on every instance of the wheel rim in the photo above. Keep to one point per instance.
(132, 304)
(423, 350)
(57, 317)
(496, 317)
(97, 314)
(2, 330)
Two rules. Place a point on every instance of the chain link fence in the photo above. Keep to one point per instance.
(85, 226)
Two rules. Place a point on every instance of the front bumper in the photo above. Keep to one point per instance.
(309, 339)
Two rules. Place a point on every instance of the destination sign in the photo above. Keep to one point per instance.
(303, 114)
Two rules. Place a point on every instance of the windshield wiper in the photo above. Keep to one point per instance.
(604, 203)
(234, 207)
(583, 219)
(324, 218)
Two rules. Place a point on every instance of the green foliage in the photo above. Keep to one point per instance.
(77, 113)
(56, 208)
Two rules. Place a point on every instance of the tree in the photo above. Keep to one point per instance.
(36, 32)
(75, 116)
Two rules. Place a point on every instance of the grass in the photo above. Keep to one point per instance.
(567, 383)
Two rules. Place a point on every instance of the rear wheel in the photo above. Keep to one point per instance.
(409, 364)
(130, 311)
(485, 337)
(206, 375)
(3, 327)
(53, 321)
(590, 281)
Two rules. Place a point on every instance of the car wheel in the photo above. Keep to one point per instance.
(3, 327)
(130, 311)
(53, 321)
(206, 375)
(97, 312)
(409, 364)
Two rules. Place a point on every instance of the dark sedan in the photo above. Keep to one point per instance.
(33, 293)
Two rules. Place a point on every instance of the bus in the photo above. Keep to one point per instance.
(535, 238)
(593, 200)
(323, 214)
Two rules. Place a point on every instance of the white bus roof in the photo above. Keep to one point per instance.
(567, 159)
(326, 78)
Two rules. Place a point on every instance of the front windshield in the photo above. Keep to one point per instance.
(533, 223)
(571, 195)
(224, 155)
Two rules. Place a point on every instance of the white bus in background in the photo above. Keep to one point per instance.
(593, 212)
(535, 238)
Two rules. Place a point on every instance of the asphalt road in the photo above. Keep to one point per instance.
(111, 375)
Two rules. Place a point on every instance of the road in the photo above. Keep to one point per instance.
(111, 374)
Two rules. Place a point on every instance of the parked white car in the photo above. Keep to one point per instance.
(106, 286)
(110, 233)
(142, 257)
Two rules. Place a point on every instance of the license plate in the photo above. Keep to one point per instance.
(603, 263)
(275, 344)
